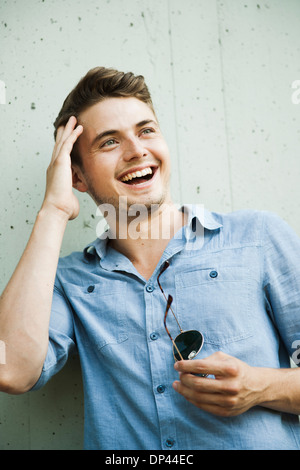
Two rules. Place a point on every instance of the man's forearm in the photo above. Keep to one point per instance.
(282, 391)
(237, 386)
(25, 304)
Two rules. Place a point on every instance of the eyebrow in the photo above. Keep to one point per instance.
(114, 131)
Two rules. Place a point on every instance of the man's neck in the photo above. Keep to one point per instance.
(144, 240)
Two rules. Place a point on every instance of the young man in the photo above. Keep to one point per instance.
(223, 288)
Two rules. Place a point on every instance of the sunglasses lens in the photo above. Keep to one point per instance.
(188, 344)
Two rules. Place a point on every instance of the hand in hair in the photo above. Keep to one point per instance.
(59, 195)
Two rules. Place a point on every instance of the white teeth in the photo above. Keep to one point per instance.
(137, 174)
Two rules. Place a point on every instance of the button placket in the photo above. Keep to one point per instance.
(161, 388)
(150, 288)
(169, 442)
(154, 336)
(159, 375)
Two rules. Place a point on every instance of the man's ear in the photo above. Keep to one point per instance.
(78, 179)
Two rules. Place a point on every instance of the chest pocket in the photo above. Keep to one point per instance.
(216, 302)
(100, 312)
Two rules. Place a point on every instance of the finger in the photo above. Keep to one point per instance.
(216, 403)
(201, 384)
(63, 132)
(196, 396)
(218, 364)
(68, 144)
(198, 366)
(59, 134)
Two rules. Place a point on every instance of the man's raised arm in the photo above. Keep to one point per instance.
(25, 304)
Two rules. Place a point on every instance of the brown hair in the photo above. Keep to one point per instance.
(100, 83)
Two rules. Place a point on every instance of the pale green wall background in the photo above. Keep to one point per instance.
(221, 75)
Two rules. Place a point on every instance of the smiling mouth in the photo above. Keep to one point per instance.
(138, 177)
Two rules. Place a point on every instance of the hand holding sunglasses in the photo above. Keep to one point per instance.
(188, 343)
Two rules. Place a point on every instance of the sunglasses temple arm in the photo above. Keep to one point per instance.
(168, 306)
(170, 299)
(165, 318)
(175, 346)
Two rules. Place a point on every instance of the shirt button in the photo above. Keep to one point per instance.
(154, 336)
(213, 274)
(161, 388)
(90, 288)
(150, 288)
(169, 442)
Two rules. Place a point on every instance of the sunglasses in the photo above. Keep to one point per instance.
(188, 343)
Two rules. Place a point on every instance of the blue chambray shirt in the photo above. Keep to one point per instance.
(248, 308)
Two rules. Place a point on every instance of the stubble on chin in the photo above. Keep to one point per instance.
(125, 204)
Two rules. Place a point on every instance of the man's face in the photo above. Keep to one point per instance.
(123, 153)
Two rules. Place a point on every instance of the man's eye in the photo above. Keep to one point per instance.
(109, 142)
(147, 131)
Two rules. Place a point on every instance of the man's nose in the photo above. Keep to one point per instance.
(134, 149)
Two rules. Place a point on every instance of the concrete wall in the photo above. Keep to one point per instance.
(221, 74)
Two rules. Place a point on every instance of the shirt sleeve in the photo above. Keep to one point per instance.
(61, 337)
(282, 280)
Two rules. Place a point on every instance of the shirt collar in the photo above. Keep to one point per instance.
(205, 217)
(194, 212)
